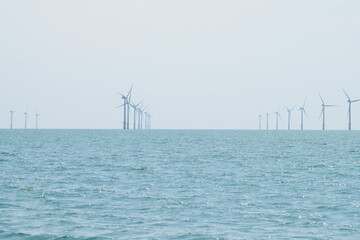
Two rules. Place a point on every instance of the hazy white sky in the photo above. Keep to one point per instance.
(197, 63)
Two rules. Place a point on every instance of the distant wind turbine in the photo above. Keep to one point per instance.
(302, 109)
(126, 109)
(26, 115)
(349, 111)
(260, 119)
(277, 118)
(147, 120)
(135, 107)
(267, 121)
(11, 118)
(323, 111)
(36, 121)
(289, 115)
(141, 116)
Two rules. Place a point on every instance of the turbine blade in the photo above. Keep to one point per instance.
(293, 108)
(357, 100)
(322, 111)
(306, 114)
(346, 94)
(139, 103)
(322, 99)
(330, 105)
(120, 105)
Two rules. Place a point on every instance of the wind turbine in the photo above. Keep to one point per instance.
(26, 115)
(289, 115)
(323, 111)
(260, 118)
(349, 111)
(302, 109)
(141, 112)
(135, 111)
(11, 118)
(147, 120)
(277, 118)
(149, 124)
(36, 122)
(267, 121)
(126, 109)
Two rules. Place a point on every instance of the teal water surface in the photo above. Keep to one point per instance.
(114, 184)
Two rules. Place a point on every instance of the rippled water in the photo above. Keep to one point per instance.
(114, 184)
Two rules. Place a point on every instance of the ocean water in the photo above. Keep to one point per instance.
(157, 184)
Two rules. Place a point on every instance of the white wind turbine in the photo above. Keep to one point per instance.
(289, 115)
(277, 118)
(141, 117)
(135, 107)
(324, 106)
(302, 109)
(26, 115)
(267, 121)
(36, 120)
(148, 117)
(349, 111)
(260, 119)
(11, 118)
(126, 108)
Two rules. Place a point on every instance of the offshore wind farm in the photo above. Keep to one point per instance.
(137, 116)
(179, 119)
(302, 112)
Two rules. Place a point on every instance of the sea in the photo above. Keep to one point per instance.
(179, 184)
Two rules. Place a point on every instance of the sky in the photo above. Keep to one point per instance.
(197, 64)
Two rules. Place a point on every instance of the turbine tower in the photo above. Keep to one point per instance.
(147, 120)
(11, 118)
(36, 121)
(26, 115)
(135, 107)
(302, 109)
(289, 115)
(324, 106)
(277, 118)
(349, 111)
(267, 121)
(141, 116)
(260, 118)
(126, 108)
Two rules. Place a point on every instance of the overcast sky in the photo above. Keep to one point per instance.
(198, 64)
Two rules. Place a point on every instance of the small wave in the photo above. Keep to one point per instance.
(139, 168)
(9, 154)
(25, 236)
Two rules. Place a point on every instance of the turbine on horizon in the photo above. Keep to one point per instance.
(267, 121)
(135, 107)
(36, 120)
(323, 110)
(349, 111)
(302, 109)
(289, 115)
(11, 118)
(260, 119)
(141, 116)
(277, 118)
(26, 115)
(126, 108)
(147, 120)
